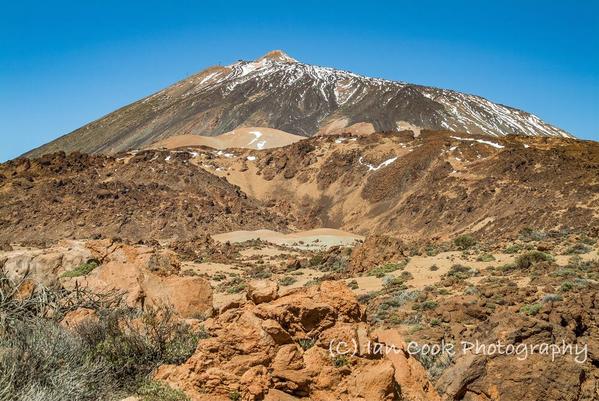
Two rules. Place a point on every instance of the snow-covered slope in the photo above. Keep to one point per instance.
(280, 92)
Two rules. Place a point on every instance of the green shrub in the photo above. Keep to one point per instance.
(234, 395)
(528, 259)
(551, 298)
(287, 280)
(531, 309)
(306, 343)
(155, 391)
(234, 285)
(382, 270)
(464, 242)
(353, 285)
(83, 269)
(588, 241)
(461, 272)
(566, 286)
(485, 257)
(316, 260)
(340, 360)
(426, 305)
(514, 248)
(578, 249)
(528, 234)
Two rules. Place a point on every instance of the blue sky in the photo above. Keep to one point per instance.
(65, 63)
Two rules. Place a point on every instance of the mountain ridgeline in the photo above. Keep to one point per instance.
(280, 92)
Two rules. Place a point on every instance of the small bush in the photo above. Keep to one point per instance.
(316, 260)
(426, 305)
(471, 291)
(528, 234)
(461, 272)
(234, 395)
(306, 343)
(464, 242)
(156, 391)
(551, 298)
(528, 259)
(353, 285)
(287, 280)
(382, 270)
(234, 285)
(531, 309)
(514, 248)
(434, 268)
(401, 298)
(485, 257)
(566, 286)
(219, 277)
(340, 361)
(578, 249)
(83, 269)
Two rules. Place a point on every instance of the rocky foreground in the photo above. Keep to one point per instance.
(258, 321)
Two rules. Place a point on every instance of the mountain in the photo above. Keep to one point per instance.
(279, 92)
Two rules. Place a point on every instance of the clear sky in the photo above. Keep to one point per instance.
(65, 63)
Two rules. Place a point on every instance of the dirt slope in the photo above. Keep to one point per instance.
(149, 195)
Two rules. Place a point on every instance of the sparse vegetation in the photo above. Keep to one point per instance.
(102, 358)
(340, 361)
(157, 391)
(485, 257)
(551, 298)
(353, 285)
(578, 249)
(287, 281)
(306, 343)
(382, 270)
(514, 248)
(528, 259)
(566, 286)
(426, 305)
(464, 242)
(528, 234)
(83, 269)
(531, 309)
(461, 272)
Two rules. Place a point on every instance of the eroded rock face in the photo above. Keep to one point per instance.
(41, 267)
(521, 377)
(146, 277)
(280, 351)
(375, 250)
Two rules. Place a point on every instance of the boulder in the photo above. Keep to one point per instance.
(260, 291)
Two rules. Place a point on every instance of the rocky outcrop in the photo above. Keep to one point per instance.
(147, 278)
(260, 291)
(281, 351)
(376, 250)
(478, 376)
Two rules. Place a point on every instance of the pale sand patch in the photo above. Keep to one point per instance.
(312, 239)
(246, 138)
(209, 268)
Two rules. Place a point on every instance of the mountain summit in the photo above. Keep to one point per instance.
(280, 92)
